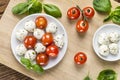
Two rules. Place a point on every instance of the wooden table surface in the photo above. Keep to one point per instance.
(66, 69)
(7, 73)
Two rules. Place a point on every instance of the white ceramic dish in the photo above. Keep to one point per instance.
(108, 28)
(61, 30)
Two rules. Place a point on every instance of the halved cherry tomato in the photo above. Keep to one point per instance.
(88, 12)
(30, 42)
(42, 59)
(47, 39)
(80, 58)
(41, 22)
(82, 26)
(52, 51)
(73, 13)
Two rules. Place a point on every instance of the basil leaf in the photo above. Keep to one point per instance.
(102, 5)
(116, 19)
(37, 68)
(117, 8)
(20, 8)
(26, 62)
(52, 10)
(107, 74)
(36, 8)
(87, 78)
(109, 17)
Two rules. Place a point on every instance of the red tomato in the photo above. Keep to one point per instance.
(88, 12)
(82, 26)
(80, 58)
(47, 39)
(52, 51)
(41, 22)
(73, 13)
(30, 42)
(42, 59)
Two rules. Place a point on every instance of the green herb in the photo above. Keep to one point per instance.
(114, 16)
(102, 5)
(35, 6)
(31, 66)
(52, 10)
(87, 78)
(107, 74)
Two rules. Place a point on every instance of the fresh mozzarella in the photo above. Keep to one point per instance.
(30, 26)
(30, 54)
(114, 37)
(21, 34)
(103, 38)
(51, 28)
(59, 40)
(104, 50)
(38, 33)
(40, 48)
(114, 49)
(20, 49)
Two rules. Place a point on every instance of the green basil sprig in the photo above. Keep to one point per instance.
(87, 78)
(114, 16)
(31, 66)
(35, 6)
(52, 10)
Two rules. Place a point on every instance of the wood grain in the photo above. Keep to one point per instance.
(66, 69)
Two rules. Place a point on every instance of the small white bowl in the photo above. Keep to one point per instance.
(61, 30)
(107, 28)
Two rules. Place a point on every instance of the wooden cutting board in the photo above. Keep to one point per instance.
(66, 69)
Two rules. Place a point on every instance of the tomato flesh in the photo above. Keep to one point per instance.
(41, 22)
(80, 58)
(30, 42)
(52, 51)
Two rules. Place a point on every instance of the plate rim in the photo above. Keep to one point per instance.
(46, 15)
(93, 41)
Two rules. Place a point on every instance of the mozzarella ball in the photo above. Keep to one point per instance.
(30, 26)
(114, 37)
(114, 48)
(30, 54)
(59, 40)
(103, 50)
(103, 38)
(20, 49)
(51, 28)
(40, 48)
(38, 33)
(21, 34)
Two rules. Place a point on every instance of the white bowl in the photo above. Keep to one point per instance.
(108, 28)
(61, 30)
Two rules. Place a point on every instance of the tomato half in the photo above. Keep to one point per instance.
(47, 39)
(42, 59)
(80, 58)
(88, 12)
(30, 42)
(73, 13)
(52, 51)
(41, 22)
(82, 26)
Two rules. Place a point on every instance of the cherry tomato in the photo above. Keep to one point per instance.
(42, 59)
(88, 12)
(80, 58)
(47, 39)
(82, 26)
(30, 42)
(52, 51)
(41, 22)
(73, 13)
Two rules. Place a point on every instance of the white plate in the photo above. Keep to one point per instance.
(61, 30)
(108, 28)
